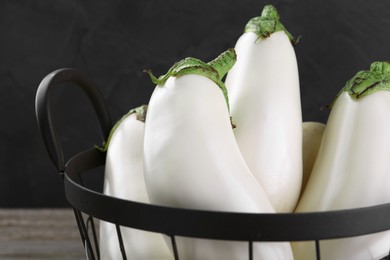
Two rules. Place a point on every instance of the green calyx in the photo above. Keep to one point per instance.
(366, 82)
(141, 116)
(215, 70)
(267, 24)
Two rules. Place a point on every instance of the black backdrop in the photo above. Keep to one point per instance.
(114, 41)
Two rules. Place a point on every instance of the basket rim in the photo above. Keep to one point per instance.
(216, 224)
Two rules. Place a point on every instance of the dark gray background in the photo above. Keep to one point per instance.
(114, 41)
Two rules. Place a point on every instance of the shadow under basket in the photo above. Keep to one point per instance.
(91, 204)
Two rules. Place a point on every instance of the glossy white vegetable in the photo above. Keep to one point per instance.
(352, 166)
(264, 94)
(192, 159)
(312, 133)
(124, 179)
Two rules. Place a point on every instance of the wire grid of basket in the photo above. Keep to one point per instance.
(89, 204)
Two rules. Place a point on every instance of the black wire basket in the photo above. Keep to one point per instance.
(90, 204)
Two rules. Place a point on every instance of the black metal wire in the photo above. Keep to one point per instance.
(76, 212)
(250, 245)
(318, 250)
(121, 244)
(86, 240)
(90, 223)
(96, 241)
(43, 109)
(174, 248)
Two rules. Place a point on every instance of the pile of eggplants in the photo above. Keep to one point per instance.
(227, 135)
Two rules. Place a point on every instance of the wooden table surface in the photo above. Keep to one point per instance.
(39, 234)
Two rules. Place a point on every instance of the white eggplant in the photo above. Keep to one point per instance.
(264, 95)
(124, 179)
(312, 133)
(191, 158)
(352, 166)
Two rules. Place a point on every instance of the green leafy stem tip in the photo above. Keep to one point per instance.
(366, 82)
(215, 70)
(140, 115)
(267, 24)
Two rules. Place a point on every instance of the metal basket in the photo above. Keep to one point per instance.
(90, 204)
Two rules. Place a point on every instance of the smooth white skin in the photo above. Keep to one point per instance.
(124, 179)
(312, 133)
(192, 160)
(264, 93)
(351, 171)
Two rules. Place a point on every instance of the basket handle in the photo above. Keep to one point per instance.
(43, 110)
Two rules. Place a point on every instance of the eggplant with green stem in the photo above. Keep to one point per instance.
(352, 166)
(124, 179)
(264, 94)
(191, 157)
